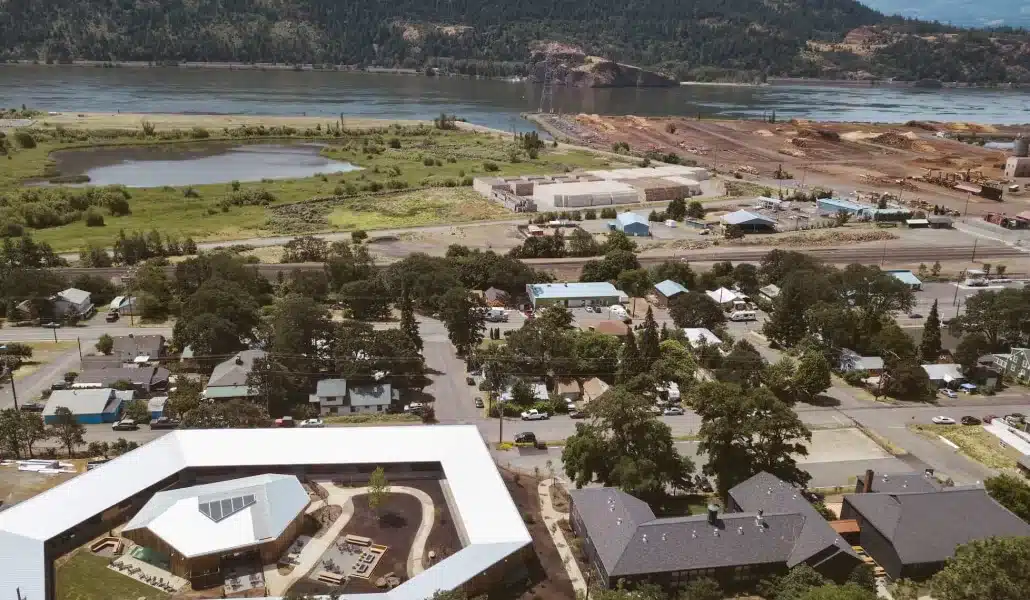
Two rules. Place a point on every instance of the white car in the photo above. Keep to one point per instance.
(949, 393)
(414, 407)
(312, 423)
(673, 411)
(940, 420)
(535, 415)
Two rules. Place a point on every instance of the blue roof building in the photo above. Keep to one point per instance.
(832, 206)
(667, 290)
(907, 278)
(599, 293)
(631, 223)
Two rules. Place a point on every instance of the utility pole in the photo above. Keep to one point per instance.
(973, 258)
(79, 341)
(966, 210)
(14, 391)
(884, 257)
(954, 300)
(55, 334)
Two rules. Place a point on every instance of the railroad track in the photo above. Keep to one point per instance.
(864, 254)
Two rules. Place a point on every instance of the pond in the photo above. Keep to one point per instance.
(196, 164)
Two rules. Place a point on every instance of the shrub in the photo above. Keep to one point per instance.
(590, 214)
(235, 185)
(428, 161)
(338, 190)
(450, 182)
(189, 192)
(359, 235)
(199, 133)
(396, 184)
(490, 167)
(25, 139)
(466, 181)
(608, 213)
(395, 143)
(94, 218)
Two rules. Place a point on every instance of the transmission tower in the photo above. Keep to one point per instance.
(547, 93)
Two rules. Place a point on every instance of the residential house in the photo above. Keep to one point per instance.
(371, 397)
(1014, 364)
(667, 290)
(749, 221)
(851, 361)
(723, 297)
(331, 396)
(156, 406)
(907, 277)
(573, 295)
(123, 305)
(132, 348)
(568, 390)
(145, 378)
(769, 529)
(697, 336)
(539, 392)
(949, 375)
(593, 389)
(495, 297)
(911, 527)
(229, 378)
(770, 292)
(73, 302)
(631, 224)
(90, 406)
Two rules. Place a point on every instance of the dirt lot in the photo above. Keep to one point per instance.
(844, 156)
(17, 486)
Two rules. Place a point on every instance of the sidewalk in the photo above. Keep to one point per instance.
(551, 518)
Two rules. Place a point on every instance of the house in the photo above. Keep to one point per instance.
(896, 483)
(568, 390)
(495, 297)
(769, 528)
(697, 336)
(632, 224)
(1014, 364)
(769, 292)
(667, 290)
(371, 397)
(539, 393)
(772, 203)
(944, 375)
(593, 389)
(749, 221)
(608, 327)
(145, 379)
(330, 395)
(229, 378)
(123, 305)
(73, 302)
(911, 526)
(573, 295)
(156, 406)
(723, 296)
(91, 406)
(906, 277)
(130, 348)
(851, 361)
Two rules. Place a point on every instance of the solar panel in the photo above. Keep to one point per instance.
(227, 507)
(205, 509)
(237, 503)
(217, 510)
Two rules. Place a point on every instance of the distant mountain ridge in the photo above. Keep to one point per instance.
(743, 40)
(963, 13)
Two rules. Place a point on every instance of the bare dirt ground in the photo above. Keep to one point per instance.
(842, 156)
(163, 122)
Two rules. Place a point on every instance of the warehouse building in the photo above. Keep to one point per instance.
(571, 295)
(749, 221)
(657, 189)
(907, 277)
(1017, 166)
(89, 406)
(695, 173)
(832, 206)
(631, 223)
(693, 186)
(581, 194)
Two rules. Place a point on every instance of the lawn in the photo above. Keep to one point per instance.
(85, 576)
(395, 158)
(975, 442)
(42, 353)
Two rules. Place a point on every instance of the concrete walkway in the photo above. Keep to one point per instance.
(551, 518)
(277, 584)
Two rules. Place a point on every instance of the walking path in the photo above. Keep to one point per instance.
(551, 518)
(277, 584)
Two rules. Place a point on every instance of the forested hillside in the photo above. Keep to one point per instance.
(700, 39)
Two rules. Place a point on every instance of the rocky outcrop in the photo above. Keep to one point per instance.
(569, 66)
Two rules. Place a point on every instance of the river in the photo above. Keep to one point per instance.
(486, 102)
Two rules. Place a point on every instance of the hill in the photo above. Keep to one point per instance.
(688, 39)
(964, 13)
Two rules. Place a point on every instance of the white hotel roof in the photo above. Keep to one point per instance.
(485, 510)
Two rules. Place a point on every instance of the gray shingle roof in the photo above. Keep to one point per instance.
(611, 517)
(82, 402)
(131, 346)
(894, 483)
(370, 395)
(331, 388)
(927, 526)
(228, 373)
(74, 295)
(146, 376)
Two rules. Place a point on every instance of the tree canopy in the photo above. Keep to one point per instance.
(994, 568)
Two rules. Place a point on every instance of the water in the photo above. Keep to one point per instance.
(486, 102)
(196, 164)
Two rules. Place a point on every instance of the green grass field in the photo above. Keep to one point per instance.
(425, 158)
(85, 576)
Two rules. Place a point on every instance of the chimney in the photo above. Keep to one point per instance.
(867, 484)
(713, 514)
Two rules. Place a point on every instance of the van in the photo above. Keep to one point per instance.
(743, 315)
(618, 311)
(496, 315)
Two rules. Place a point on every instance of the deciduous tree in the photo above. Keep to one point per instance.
(105, 344)
(994, 568)
(137, 411)
(1011, 492)
(695, 309)
(464, 317)
(812, 376)
(408, 324)
(67, 430)
(378, 488)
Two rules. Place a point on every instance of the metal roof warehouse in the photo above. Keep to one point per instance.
(574, 294)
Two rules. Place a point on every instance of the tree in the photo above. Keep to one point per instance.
(609, 267)
(11, 440)
(137, 411)
(408, 324)
(674, 270)
(904, 589)
(105, 344)
(67, 430)
(219, 319)
(743, 366)
(465, 319)
(624, 445)
(863, 577)
(745, 432)
(636, 283)
(930, 344)
(581, 243)
(905, 379)
(800, 290)
(33, 430)
(695, 309)
(618, 241)
(746, 277)
(1011, 492)
(367, 299)
(184, 397)
(848, 591)
(94, 257)
(649, 349)
(378, 488)
(969, 350)
(122, 385)
(98, 449)
(225, 415)
(792, 586)
(695, 210)
(994, 568)
(703, 588)
(101, 290)
(812, 376)
(629, 360)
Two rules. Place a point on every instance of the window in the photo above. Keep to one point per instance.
(379, 408)
(332, 410)
(354, 409)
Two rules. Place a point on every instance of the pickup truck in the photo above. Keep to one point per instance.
(535, 415)
(163, 423)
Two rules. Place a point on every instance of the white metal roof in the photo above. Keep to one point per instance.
(723, 295)
(701, 334)
(74, 295)
(482, 504)
(80, 401)
(593, 289)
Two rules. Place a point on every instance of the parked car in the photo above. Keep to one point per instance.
(163, 423)
(535, 415)
(942, 420)
(413, 408)
(969, 420)
(673, 411)
(577, 414)
(914, 315)
(528, 438)
(479, 402)
(949, 393)
(589, 309)
(285, 422)
(1017, 417)
(112, 316)
(52, 325)
(312, 423)
(32, 407)
(125, 425)
(469, 380)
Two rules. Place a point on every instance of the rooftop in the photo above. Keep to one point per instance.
(74, 295)
(491, 525)
(902, 482)
(670, 288)
(82, 402)
(946, 373)
(331, 388)
(745, 217)
(906, 277)
(137, 375)
(598, 289)
(844, 204)
(131, 346)
(722, 295)
(234, 371)
(625, 218)
(371, 394)
(223, 516)
(701, 334)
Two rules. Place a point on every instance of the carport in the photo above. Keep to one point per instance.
(749, 221)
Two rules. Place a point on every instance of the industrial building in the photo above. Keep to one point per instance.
(572, 295)
(832, 206)
(632, 224)
(1017, 166)
(694, 173)
(88, 406)
(584, 194)
(749, 221)
(657, 189)
(907, 277)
